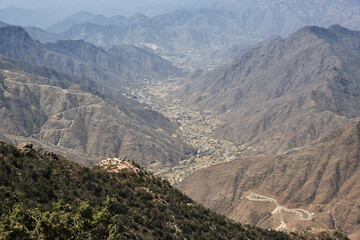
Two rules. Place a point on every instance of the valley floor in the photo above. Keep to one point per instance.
(195, 128)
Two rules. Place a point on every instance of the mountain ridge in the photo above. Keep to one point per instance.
(283, 94)
(72, 201)
(45, 106)
(189, 36)
(83, 59)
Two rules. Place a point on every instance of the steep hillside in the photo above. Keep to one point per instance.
(286, 93)
(44, 195)
(52, 108)
(82, 59)
(322, 178)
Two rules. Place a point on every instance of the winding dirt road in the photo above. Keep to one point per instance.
(303, 214)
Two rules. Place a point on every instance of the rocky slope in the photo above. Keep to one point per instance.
(286, 93)
(43, 195)
(322, 178)
(126, 68)
(83, 118)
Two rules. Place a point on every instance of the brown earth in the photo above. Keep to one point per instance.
(322, 178)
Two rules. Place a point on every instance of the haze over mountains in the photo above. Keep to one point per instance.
(58, 10)
(125, 67)
(186, 36)
(275, 104)
(27, 17)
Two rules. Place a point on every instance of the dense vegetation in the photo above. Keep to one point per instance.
(44, 196)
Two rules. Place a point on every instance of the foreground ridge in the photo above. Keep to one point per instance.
(44, 195)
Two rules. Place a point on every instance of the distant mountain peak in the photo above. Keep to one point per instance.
(332, 34)
(339, 28)
(16, 32)
(15, 29)
(314, 30)
(138, 17)
(81, 14)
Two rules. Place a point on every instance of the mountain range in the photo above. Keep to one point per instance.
(286, 107)
(187, 36)
(84, 17)
(75, 110)
(284, 94)
(292, 106)
(122, 67)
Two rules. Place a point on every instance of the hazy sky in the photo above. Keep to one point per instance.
(107, 7)
(33, 4)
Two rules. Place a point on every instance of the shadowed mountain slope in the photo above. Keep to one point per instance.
(45, 106)
(286, 93)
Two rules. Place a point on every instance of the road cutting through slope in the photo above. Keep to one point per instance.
(304, 215)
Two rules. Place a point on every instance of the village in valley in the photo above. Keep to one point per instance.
(195, 128)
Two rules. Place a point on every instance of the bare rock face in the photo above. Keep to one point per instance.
(116, 165)
(25, 148)
(323, 179)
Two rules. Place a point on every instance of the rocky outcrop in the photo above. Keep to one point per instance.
(25, 148)
(116, 165)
